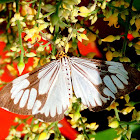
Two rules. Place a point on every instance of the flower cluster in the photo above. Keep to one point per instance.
(34, 31)
(34, 130)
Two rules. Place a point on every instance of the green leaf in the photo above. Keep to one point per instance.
(135, 130)
(54, 19)
(91, 55)
(62, 24)
(108, 134)
(49, 8)
(6, 1)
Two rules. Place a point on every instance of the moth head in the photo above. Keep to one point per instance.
(60, 55)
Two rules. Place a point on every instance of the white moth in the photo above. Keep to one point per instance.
(45, 92)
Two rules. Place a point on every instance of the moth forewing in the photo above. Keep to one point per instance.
(45, 92)
(99, 82)
(25, 95)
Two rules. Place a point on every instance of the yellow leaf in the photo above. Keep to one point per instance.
(80, 137)
(112, 49)
(138, 116)
(128, 134)
(40, 21)
(76, 116)
(138, 52)
(94, 19)
(138, 43)
(113, 20)
(42, 136)
(127, 110)
(92, 138)
(93, 126)
(35, 128)
(67, 48)
(123, 16)
(103, 5)
(91, 55)
(109, 38)
(105, 49)
(27, 10)
(83, 9)
(127, 98)
(91, 38)
(84, 12)
(41, 27)
(79, 38)
(135, 34)
(17, 16)
(109, 56)
(134, 115)
(31, 54)
(2, 6)
(133, 8)
(113, 106)
(118, 138)
(13, 48)
(81, 29)
(125, 59)
(7, 60)
(117, 54)
(10, 54)
(53, 57)
(132, 21)
(114, 124)
(12, 70)
(51, 29)
(1, 72)
(57, 41)
(99, 41)
(83, 36)
(9, 138)
(40, 49)
(137, 47)
(1, 20)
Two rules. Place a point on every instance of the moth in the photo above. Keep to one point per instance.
(45, 92)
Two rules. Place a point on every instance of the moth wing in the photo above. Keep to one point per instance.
(99, 82)
(37, 93)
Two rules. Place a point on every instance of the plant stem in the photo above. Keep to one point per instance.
(38, 12)
(129, 123)
(19, 33)
(57, 6)
(89, 30)
(46, 130)
(17, 7)
(50, 126)
(57, 131)
(117, 114)
(127, 28)
(56, 28)
(48, 14)
(84, 130)
(20, 41)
